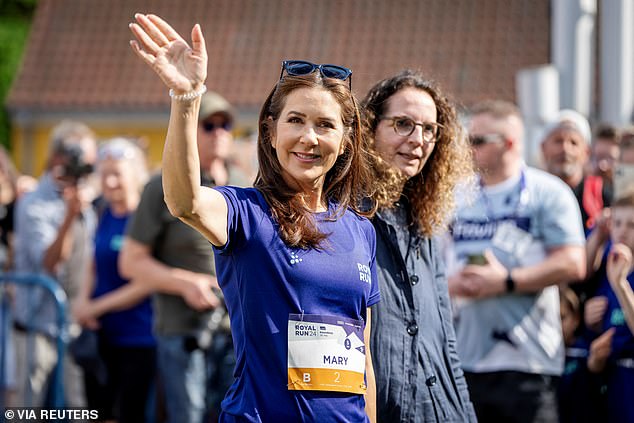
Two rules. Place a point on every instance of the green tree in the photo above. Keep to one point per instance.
(15, 21)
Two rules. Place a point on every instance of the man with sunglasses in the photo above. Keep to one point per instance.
(515, 238)
(178, 263)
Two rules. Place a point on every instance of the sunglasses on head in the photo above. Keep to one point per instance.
(301, 67)
(211, 126)
(477, 140)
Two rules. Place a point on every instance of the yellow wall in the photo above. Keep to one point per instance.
(153, 138)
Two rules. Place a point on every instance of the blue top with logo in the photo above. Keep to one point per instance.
(264, 281)
(131, 327)
(623, 340)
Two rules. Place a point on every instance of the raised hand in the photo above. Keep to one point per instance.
(484, 280)
(83, 311)
(600, 350)
(181, 67)
(595, 308)
(619, 265)
(198, 294)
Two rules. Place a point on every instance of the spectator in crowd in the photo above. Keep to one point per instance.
(54, 226)
(8, 194)
(598, 241)
(518, 239)
(619, 267)
(566, 153)
(580, 394)
(604, 155)
(414, 129)
(624, 172)
(176, 262)
(294, 256)
(614, 314)
(119, 310)
(12, 186)
(216, 120)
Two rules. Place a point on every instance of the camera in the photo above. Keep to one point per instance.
(204, 338)
(75, 167)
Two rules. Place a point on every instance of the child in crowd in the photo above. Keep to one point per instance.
(580, 392)
(616, 313)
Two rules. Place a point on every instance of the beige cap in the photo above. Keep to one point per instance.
(212, 103)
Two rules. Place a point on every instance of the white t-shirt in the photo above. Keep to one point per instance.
(519, 220)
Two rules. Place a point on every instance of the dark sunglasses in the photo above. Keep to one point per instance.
(210, 126)
(301, 67)
(477, 140)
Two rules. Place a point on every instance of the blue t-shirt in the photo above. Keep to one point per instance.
(623, 340)
(131, 327)
(264, 281)
(619, 378)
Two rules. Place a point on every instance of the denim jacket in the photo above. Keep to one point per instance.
(413, 343)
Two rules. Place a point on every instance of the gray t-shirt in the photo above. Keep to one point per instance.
(519, 220)
(175, 244)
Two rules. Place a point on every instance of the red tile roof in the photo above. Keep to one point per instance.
(78, 57)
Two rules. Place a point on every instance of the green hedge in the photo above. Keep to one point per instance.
(15, 21)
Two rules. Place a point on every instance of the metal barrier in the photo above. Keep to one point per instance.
(56, 386)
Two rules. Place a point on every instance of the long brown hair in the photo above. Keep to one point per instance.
(345, 184)
(431, 191)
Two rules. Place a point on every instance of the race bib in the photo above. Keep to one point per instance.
(326, 353)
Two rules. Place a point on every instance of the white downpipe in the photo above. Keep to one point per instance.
(617, 62)
(538, 99)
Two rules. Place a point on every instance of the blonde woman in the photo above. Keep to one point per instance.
(117, 308)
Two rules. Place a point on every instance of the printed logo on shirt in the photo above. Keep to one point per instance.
(484, 230)
(116, 242)
(617, 318)
(571, 367)
(364, 273)
(294, 258)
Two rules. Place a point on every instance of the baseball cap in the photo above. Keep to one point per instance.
(212, 103)
(569, 119)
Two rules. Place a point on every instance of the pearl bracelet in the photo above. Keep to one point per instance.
(190, 95)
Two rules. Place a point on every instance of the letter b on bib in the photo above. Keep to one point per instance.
(306, 377)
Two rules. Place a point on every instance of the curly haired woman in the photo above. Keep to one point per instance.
(421, 156)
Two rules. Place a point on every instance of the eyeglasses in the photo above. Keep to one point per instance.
(405, 127)
(301, 67)
(477, 140)
(211, 126)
